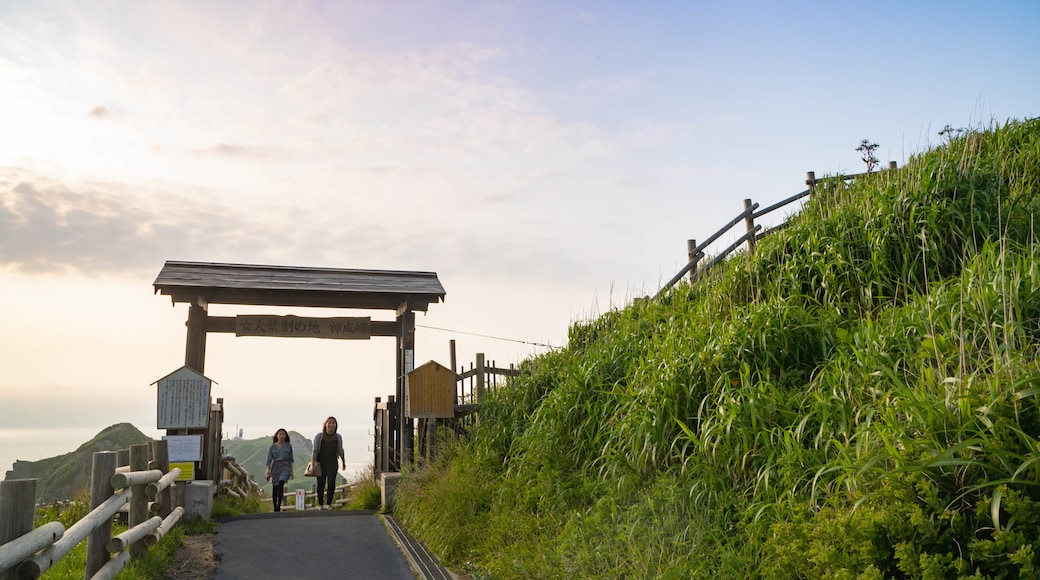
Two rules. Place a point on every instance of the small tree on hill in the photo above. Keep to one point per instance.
(866, 150)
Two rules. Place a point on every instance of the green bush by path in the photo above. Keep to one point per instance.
(856, 399)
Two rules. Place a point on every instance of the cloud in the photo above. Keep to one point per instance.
(117, 229)
(99, 112)
(99, 228)
(225, 150)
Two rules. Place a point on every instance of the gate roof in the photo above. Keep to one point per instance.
(215, 283)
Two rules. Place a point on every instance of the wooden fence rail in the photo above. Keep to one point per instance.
(237, 481)
(695, 251)
(144, 487)
(340, 496)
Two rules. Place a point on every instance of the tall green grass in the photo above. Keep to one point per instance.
(856, 399)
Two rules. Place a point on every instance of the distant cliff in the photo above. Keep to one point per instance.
(65, 476)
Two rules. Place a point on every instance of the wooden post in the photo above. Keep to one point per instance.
(161, 459)
(452, 363)
(195, 345)
(17, 508)
(480, 377)
(391, 460)
(101, 472)
(138, 497)
(691, 256)
(123, 458)
(893, 165)
(406, 364)
(749, 223)
(211, 438)
(810, 180)
(377, 467)
(420, 437)
(431, 437)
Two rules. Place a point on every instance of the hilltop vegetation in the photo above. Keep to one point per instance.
(858, 398)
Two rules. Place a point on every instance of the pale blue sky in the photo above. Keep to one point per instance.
(547, 159)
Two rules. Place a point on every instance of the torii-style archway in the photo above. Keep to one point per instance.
(200, 284)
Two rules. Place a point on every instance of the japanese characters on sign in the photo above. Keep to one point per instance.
(299, 326)
(183, 400)
(187, 470)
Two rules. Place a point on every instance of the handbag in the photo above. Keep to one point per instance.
(313, 469)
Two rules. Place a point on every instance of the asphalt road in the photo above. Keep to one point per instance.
(310, 544)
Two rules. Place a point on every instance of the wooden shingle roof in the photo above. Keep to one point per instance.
(214, 283)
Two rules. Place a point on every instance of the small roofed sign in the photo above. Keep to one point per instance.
(344, 327)
(182, 401)
(430, 392)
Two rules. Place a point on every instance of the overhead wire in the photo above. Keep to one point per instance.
(488, 336)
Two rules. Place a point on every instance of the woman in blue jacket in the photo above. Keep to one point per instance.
(328, 446)
(279, 466)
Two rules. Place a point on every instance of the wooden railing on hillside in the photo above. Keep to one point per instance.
(143, 484)
(340, 496)
(753, 231)
(237, 482)
(472, 386)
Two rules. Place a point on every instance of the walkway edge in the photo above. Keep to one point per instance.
(425, 564)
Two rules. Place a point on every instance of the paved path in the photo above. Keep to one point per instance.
(310, 544)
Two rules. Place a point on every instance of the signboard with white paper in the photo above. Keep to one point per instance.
(183, 400)
(184, 447)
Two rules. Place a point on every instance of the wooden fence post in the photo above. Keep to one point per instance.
(161, 459)
(691, 257)
(138, 497)
(377, 467)
(749, 222)
(101, 472)
(17, 508)
(480, 377)
(810, 180)
(391, 459)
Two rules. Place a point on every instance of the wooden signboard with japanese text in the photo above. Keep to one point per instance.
(343, 327)
(182, 401)
(430, 392)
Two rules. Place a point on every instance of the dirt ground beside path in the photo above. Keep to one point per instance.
(194, 559)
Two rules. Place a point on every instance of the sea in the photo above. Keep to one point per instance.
(33, 444)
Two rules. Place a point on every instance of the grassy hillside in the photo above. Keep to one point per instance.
(857, 399)
(68, 475)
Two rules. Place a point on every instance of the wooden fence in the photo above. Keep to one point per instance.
(340, 495)
(472, 385)
(237, 482)
(142, 488)
(753, 232)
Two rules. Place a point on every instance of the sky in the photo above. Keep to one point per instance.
(548, 160)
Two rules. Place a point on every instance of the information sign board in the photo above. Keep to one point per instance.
(182, 401)
(187, 470)
(184, 447)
